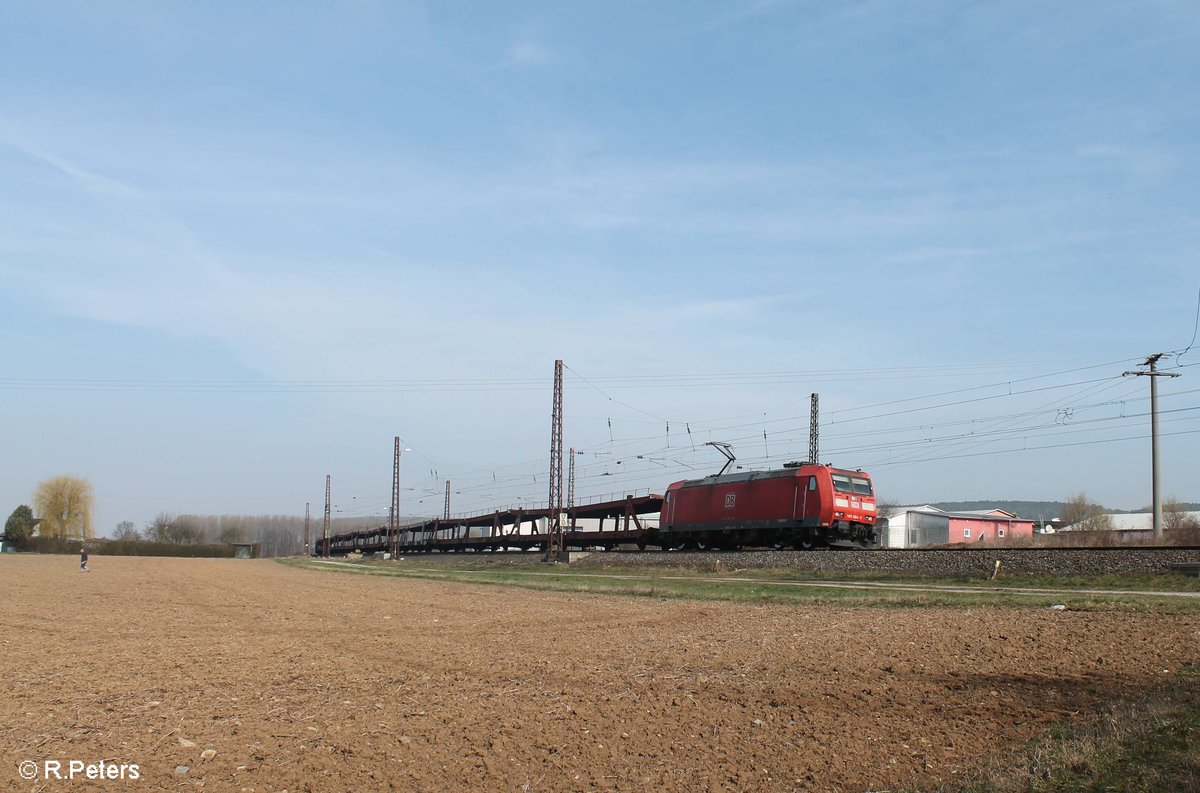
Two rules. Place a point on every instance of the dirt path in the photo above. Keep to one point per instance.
(315, 680)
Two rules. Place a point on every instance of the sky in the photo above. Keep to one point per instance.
(244, 246)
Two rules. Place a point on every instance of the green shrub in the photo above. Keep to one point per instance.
(127, 548)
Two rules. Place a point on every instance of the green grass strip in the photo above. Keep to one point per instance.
(754, 587)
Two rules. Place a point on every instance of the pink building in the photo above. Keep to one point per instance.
(920, 527)
(989, 525)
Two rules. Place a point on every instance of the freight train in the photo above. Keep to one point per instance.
(802, 505)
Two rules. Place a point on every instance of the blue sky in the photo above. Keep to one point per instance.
(243, 246)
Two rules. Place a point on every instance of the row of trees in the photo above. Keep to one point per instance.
(278, 535)
(65, 504)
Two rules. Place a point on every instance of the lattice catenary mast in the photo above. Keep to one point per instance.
(554, 521)
(814, 431)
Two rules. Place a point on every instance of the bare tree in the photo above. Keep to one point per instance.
(169, 528)
(884, 509)
(1081, 514)
(126, 530)
(65, 506)
(161, 528)
(1176, 516)
(188, 531)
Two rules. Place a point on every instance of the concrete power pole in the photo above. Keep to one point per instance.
(325, 529)
(307, 528)
(571, 488)
(1154, 374)
(394, 512)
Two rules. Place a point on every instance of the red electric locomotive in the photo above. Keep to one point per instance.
(801, 505)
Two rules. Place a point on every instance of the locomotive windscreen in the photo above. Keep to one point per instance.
(848, 483)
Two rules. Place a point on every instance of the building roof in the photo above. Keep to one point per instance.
(1132, 521)
(986, 513)
(923, 508)
(974, 514)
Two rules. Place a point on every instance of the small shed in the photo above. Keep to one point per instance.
(912, 527)
(246, 550)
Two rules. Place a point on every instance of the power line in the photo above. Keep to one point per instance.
(206, 385)
(1037, 448)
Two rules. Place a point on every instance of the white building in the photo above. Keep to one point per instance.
(912, 527)
(1135, 521)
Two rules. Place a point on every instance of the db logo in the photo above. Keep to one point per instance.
(730, 498)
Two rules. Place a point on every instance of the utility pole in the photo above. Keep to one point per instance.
(325, 531)
(554, 522)
(1154, 374)
(307, 528)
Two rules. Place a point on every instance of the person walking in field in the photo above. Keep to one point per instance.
(83, 568)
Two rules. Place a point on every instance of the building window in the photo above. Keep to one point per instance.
(966, 532)
(912, 537)
(999, 532)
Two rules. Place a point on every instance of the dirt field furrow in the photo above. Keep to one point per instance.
(307, 680)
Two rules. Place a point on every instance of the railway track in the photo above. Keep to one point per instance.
(971, 562)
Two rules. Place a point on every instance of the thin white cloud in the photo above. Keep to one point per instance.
(1141, 162)
(88, 180)
(527, 53)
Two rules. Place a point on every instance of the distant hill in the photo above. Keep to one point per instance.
(1035, 510)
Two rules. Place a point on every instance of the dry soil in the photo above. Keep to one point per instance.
(312, 680)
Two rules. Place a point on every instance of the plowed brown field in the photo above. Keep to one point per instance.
(306, 680)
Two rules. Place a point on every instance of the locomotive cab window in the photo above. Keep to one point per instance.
(812, 483)
(844, 483)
